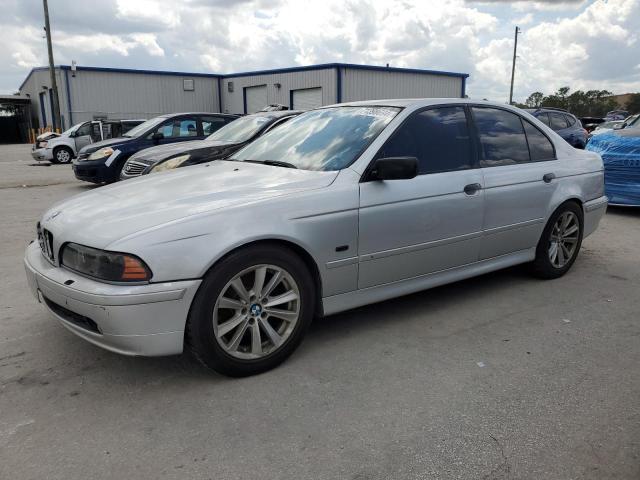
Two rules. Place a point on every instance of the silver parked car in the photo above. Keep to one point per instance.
(340, 207)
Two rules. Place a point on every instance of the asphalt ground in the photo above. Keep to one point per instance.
(499, 377)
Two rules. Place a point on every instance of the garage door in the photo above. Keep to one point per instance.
(307, 98)
(255, 98)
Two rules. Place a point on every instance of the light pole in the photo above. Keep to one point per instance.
(513, 65)
(54, 86)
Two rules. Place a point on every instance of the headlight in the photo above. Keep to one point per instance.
(103, 152)
(42, 144)
(103, 265)
(170, 164)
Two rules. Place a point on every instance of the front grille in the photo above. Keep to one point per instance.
(72, 317)
(133, 168)
(45, 239)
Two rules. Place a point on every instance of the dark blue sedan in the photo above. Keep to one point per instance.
(563, 123)
(102, 162)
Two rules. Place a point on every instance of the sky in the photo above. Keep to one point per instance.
(584, 44)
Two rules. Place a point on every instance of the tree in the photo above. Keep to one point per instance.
(534, 100)
(633, 105)
(592, 103)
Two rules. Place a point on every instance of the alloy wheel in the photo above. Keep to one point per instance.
(63, 156)
(564, 239)
(256, 312)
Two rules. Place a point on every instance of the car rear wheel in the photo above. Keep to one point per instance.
(62, 155)
(560, 242)
(251, 311)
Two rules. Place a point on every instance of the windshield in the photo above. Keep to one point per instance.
(325, 139)
(240, 130)
(73, 129)
(143, 127)
(634, 121)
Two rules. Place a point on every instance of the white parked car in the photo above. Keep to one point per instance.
(64, 147)
(340, 207)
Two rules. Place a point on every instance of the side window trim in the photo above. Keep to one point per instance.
(278, 122)
(474, 152)
(199, 126)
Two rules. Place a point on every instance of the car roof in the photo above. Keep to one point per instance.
(275, 113)
(215, 114)
(423, 102)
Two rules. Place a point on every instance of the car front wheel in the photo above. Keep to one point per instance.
(560, 242)
(251, 311)
(62, 155)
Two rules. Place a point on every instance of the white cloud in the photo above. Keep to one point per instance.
(526, 20)
(575, 48)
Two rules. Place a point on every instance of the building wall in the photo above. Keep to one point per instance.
(233, 102)
(33, 88)
(118, 95)
(373, 85)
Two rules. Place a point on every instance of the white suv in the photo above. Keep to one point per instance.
(64, 147)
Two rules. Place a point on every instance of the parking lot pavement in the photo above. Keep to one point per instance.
(497, 377)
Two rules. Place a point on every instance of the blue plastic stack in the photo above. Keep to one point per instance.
(620, 151)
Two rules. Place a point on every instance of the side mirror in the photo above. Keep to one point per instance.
(394, 168)
(157, 136)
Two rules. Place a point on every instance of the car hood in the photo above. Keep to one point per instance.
(162, 152)
(107, 214)
(47, 136)
(110, 142)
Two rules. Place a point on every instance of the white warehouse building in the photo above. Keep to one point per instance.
(88, 93)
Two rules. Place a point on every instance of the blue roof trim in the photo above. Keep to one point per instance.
(353, 66)
(322, 66)
(134, 70)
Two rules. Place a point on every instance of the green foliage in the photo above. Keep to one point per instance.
(535, 100)
(592, 103)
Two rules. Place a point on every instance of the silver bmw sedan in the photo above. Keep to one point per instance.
(342, 206)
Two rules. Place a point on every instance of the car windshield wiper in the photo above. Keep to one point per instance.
(275, 163)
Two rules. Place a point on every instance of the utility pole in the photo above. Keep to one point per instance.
(52, 72)
(513, 65)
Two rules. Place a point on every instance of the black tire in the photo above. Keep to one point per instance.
(542, 266)
(199, 333)
(62, 155)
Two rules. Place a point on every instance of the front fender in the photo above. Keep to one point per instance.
(324, 224)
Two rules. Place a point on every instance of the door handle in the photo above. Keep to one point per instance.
(472, 188)
(547, 177)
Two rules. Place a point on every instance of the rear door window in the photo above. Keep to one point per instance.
(558, 121)
(540, 147)
(544, 118)
(502, 137)
(211, 124)
(437, 137)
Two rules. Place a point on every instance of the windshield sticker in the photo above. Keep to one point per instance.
(377, 112)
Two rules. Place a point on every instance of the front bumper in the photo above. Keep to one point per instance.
(42, 154)
(145, 320)
(95, 171)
